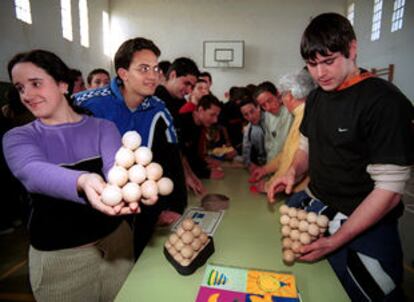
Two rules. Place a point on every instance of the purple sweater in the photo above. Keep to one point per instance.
(48, 161)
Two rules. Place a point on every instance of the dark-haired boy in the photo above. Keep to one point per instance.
(191, 128)
(98, 78)
(277, 118)
(129, 103)
(180, 80)
(254, 153)
(357, 145)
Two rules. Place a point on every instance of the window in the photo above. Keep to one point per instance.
(84, 23)
(66, 13)
(106, 34)
(376, 20)
(351, 13)
(23, 11)
(397, 15)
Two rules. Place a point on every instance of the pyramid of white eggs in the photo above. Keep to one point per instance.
(299, 228)
(187, 242)
(134, 177)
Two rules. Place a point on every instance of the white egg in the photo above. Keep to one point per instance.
(180, 231)
(284, 209)
(187, 237)
(286, 242)
(124, 157)
(303, 225)
(131, 192)
(185, 262)
(322, 221)
(149, 189)
(196, 244)
(187, 252)
(305, 238)
(312, 216)
(165, 186)
(178, 257)
(196, 230)
(172, 251)
(285, 230)
(173, 238)
(294, 234)
(187, 224)
(302, 214)
(143, 155)
(296, 245)
(284, 219)
(178, 245)
(293, 212)
(203, 238)
(131, 140)
(154, 171)
(293, 223)
(288, 256)
(118, 176)
(313, 230)
(111, 195)
(137, 174)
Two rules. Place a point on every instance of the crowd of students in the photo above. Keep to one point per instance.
(339, 137)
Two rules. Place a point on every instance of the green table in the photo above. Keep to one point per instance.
(248, 236)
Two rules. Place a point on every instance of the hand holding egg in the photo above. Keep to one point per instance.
(134, 178)
(299, 228)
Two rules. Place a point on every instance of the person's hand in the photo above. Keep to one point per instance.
(252, 167)
(167, 218)
(213, 163)
(317, 249)
(230, 155)
(216, 174)
(284, 183)
(258, 173)
(194, 184)
(92, 185)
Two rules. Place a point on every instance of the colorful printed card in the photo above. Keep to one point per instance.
(233, 284)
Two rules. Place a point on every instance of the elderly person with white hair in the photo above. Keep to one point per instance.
(293, 88)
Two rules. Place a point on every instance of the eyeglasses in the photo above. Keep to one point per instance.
(144, 69)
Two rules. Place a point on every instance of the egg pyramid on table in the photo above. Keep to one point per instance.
(188, 247)
(299, 227)
(134, 177)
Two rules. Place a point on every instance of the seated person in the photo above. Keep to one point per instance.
(200, 89)
(232, 119)
(180, 80)
(277, 118)
(294, 88)
(254, 153)
(191, 127)
(77, 81)
(98, 78)
(164, 66)
(206, 76)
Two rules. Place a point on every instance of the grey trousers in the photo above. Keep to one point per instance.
(89, 273)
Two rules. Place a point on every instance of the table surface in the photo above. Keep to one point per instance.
(248, 236)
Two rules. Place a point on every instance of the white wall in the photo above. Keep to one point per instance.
(271, 30)
(46, 32)
(392, 48)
